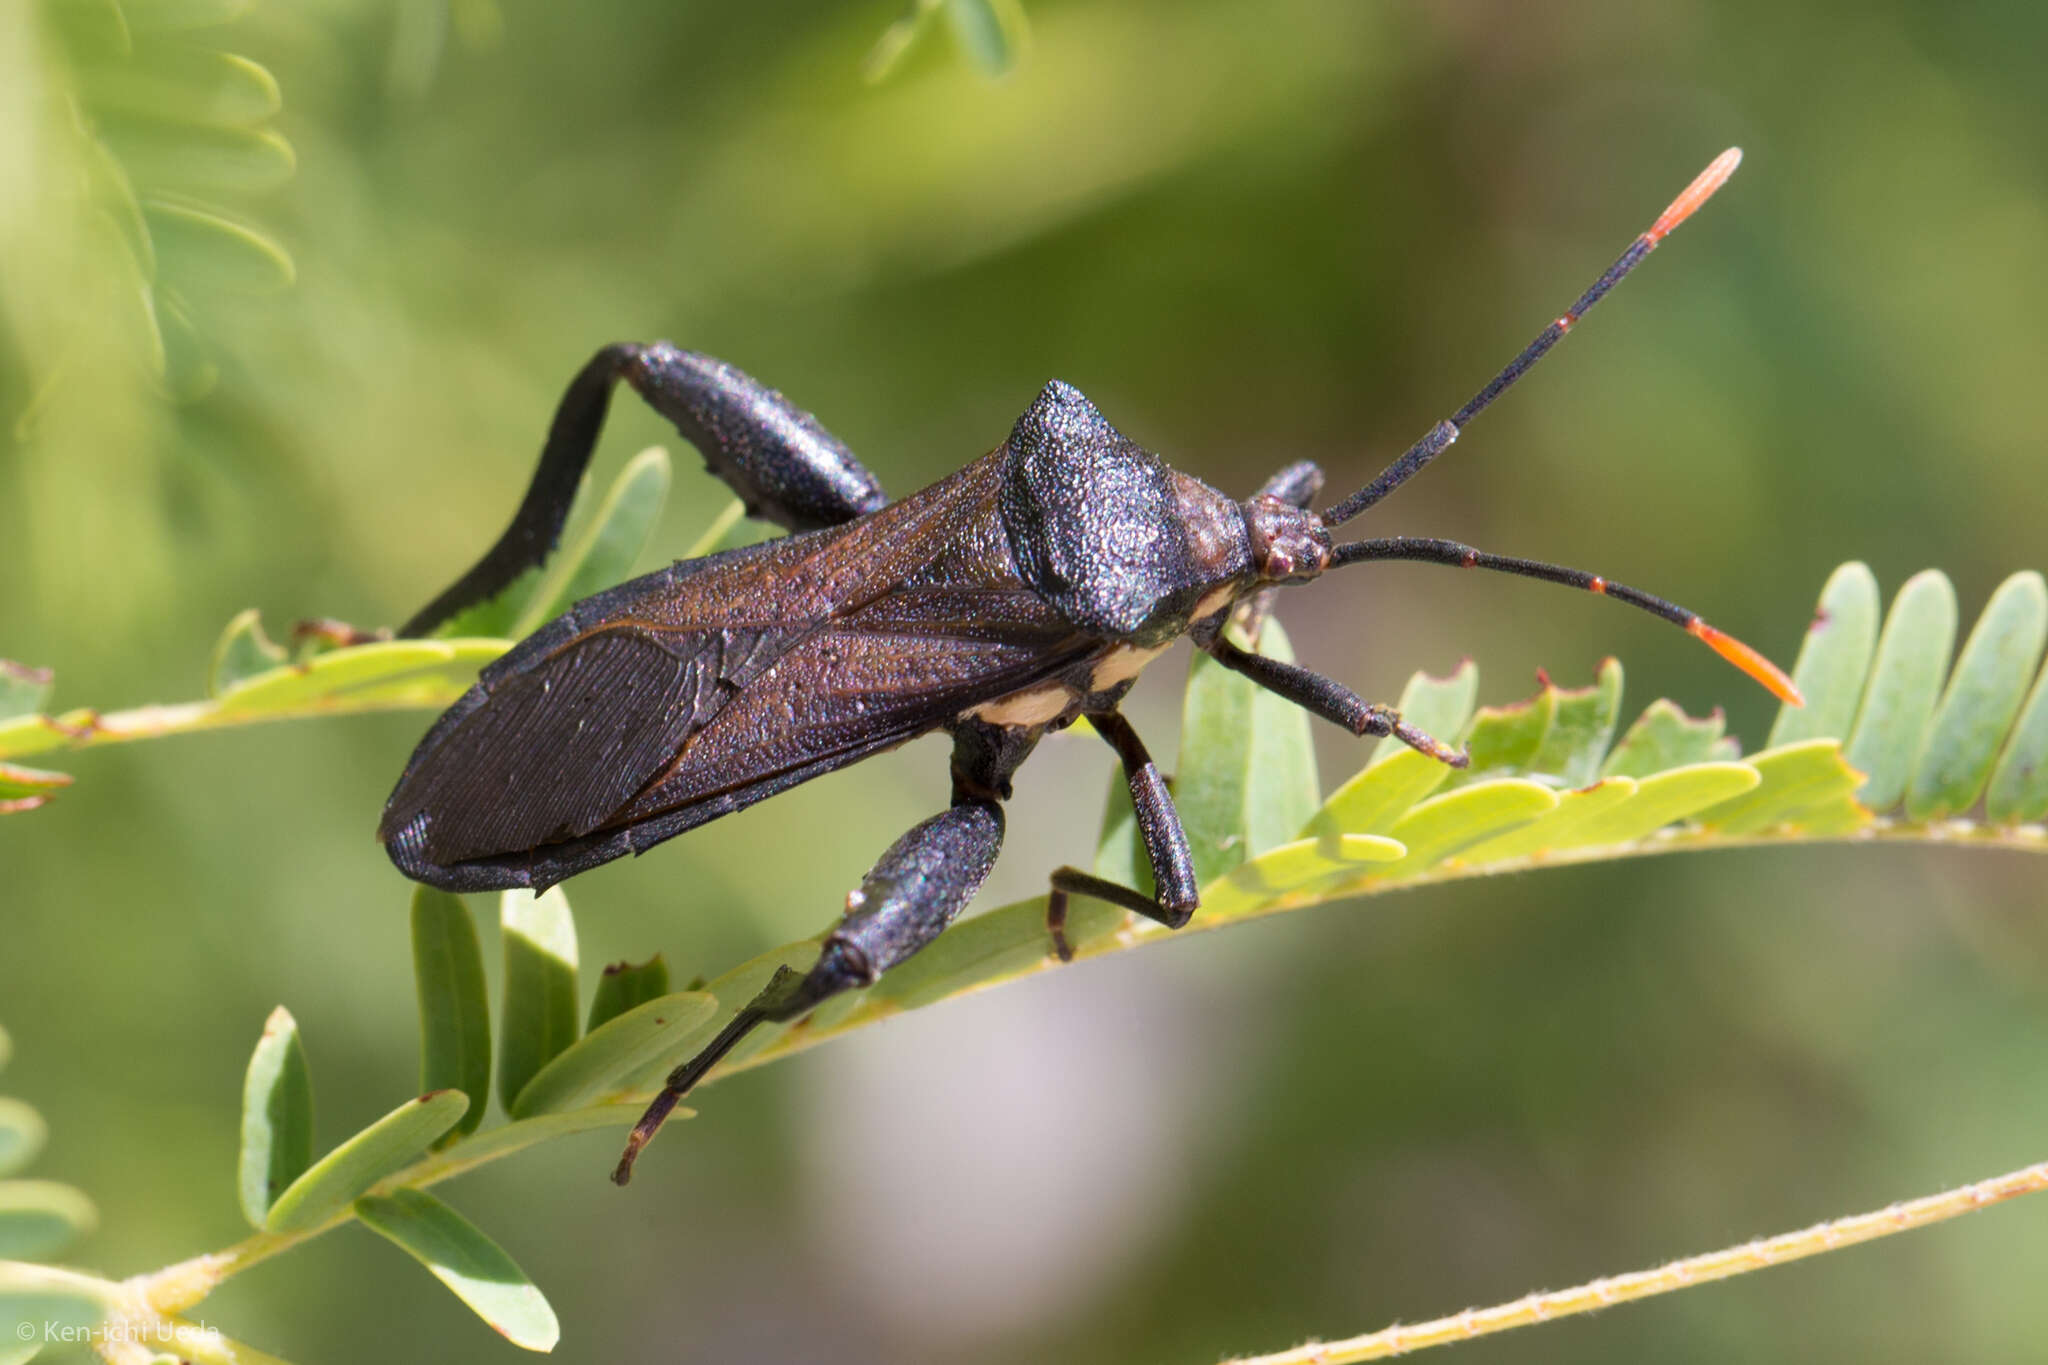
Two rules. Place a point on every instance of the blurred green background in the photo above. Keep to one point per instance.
(1253, 234)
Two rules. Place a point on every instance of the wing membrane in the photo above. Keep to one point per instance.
(671, 700)
(560, 747)
(842, 694)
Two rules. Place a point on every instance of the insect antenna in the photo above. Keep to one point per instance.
(1432, 551)
(1443, 433)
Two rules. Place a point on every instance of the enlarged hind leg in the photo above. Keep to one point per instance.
(1166, 847)
(774, 455)
(914, 892)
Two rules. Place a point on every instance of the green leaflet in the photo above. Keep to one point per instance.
(1804, 784)
(2019, 786)
(623, 985)
(602, 1064)
(214, 251)
(195, 159)
(1437, 706)
(168, 129)
(992, 32)
(339, 1178)
(23, 690)
(604, 553)
(1581, 728)
(388, 673)
(43, 1298)
(1898, 701)
(1559, 735)
(277, 1117)
(1245, 781)
(181, 84)
(473, 1266)
(22, 1134)
(1561, 827)
(455, 1013)
(1982, 699)
(1503, 740)
(1291, 869)
(39, 1218)
(890, 49)
(539, 936)
(1448, 824)
(1834, 659)
(1282, 788)
(493, 1143)
(606, 535)
(1379, 795)
(1397, 776)
(1660, 800)
(1665, 737)
(23, 788)
(242, 652)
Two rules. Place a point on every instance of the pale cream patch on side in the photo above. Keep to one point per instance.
(1121, 665)
(1040, 705)
(1213, 601)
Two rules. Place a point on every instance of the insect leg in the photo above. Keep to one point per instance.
(774, 455)
(1331, 700)
(915, 890)
(1296, 485)
(1166, 847)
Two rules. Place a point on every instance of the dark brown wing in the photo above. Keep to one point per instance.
(844, 693)
(555, 749)
(714, 683)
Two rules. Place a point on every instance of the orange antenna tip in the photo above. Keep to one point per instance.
(1748, 660)
(1698, 192)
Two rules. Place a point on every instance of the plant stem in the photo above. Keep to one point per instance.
(1643, 1284)
(178, 1287)
(2016, 838)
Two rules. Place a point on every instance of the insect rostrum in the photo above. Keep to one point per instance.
(1004, 601)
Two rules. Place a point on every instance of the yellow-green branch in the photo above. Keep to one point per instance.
(178, 1288)
(1642, 1284)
